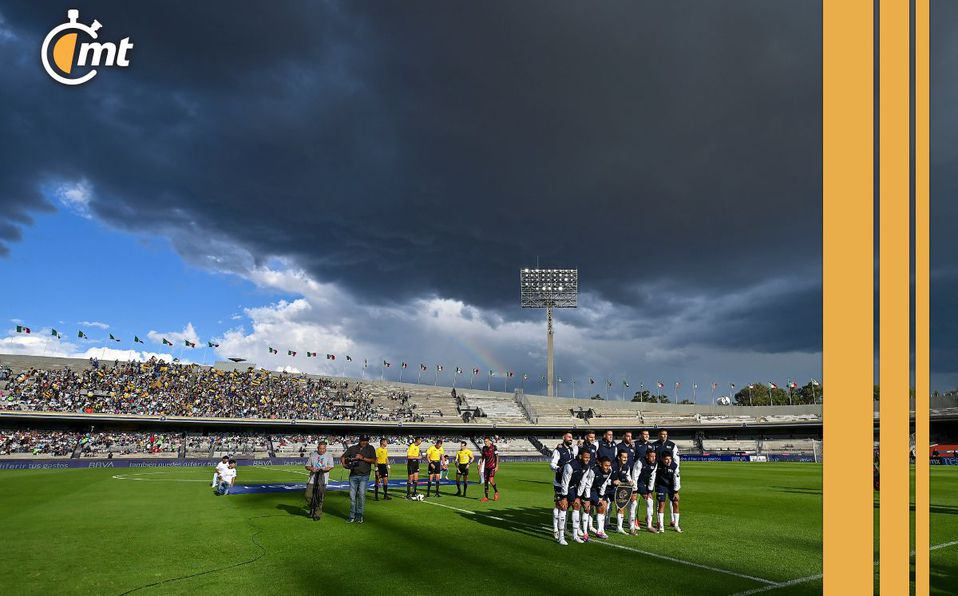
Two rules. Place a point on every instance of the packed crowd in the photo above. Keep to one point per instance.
(37, 442)
(159, 388)
(128, 443)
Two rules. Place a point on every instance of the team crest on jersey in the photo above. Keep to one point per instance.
(623, 493)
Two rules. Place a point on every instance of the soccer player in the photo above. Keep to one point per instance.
(665, 444)
(599, 497)
(622, 475)
(382, 470)
(434, 458)
(661, 446)
(413, 455)
(628, 446)
(644, 475)
(642, 445)
(592, 446)
(607, 447)
(667, 486)
(575, 487)
(490, 465)
(464, 457)
(564, 453)
(220, 468)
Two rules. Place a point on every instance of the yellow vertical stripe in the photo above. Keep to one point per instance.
(848, 286)
(922, 270)
(894, 250)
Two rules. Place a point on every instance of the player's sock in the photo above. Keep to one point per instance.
(385, 490)
(671, 514)
(576, 521)
(562, 519)
(586, 521)
(486, 489)
(602, 524)
(676, 520)
(555, 519)
(662, 519)
(495, 487)
(633, 507)
(618, 518)
(648, 512)
(214, 479)
(376, 491)
(589, 523)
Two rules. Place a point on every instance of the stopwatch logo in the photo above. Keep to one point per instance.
(72, 60)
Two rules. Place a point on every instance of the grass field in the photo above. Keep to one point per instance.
(748, 527)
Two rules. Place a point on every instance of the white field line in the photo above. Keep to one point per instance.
(629, 548)
(136, 476)
(810, 578)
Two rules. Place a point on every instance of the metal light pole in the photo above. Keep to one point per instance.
(549, 288)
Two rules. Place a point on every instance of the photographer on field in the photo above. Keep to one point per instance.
(319, 465)
(358, 459)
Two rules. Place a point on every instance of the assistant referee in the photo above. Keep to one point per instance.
(464, 457)
(413, 456)
(382, 470)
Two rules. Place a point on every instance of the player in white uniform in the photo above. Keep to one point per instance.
(565, 452)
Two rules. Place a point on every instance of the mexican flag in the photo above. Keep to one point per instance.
(22, 329)
(188, 343)
(310, 354)
(272, 351)
(55, 333)
(167, 342)
(330, 356)
(82, 335)
(772, 385)
(137, 340)
(113, 338)
(348, 358)
(386, 364)
(210, 344)
(291, 353)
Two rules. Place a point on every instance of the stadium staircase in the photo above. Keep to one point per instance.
(538, 445)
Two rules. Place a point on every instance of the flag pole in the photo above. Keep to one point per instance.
(694, 387)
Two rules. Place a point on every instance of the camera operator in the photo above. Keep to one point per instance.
(319, 465)
(358, 459)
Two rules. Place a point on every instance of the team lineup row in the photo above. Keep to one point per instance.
(597, 475)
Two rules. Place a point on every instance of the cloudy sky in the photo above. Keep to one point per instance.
(366, 178)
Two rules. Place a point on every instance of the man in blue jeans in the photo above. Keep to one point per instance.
(358, 459)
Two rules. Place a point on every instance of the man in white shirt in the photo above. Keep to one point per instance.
(220, 467)
(227, 478)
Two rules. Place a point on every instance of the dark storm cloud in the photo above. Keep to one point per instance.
(671, 151)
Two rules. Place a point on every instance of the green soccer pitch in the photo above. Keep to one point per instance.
(749, 528)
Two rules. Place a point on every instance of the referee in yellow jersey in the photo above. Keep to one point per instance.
(412, 467)
(382, 470)
(464, 457)
(434, 457)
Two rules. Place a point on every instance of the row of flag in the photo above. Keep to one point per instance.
(789, 384)
(136, 338)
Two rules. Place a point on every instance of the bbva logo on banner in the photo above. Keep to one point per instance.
(70, 58)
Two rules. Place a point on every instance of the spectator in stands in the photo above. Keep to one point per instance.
(358, 459)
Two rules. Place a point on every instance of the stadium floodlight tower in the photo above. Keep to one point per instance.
(548, 289)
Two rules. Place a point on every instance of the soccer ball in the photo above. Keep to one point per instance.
(417, 497)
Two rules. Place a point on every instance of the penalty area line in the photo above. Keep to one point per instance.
(810, 578)
(769, 583)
